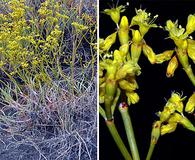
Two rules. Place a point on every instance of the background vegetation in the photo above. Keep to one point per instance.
(48, 79)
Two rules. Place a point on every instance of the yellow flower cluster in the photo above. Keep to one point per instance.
(172, 114)
(30, 42)
(18, 9)
(185, 46)
(79, 27)
(118, 69)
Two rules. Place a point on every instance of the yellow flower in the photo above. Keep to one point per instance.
(167, 111)
(114, 13)
(172, 66)
(123, 32)
(187, 124)
(24, 64)
(127, 86)
(79, 27)
(124, 49)
(168, 128)
(191, 49)
(129, 68)
(190, 106)
(176, 33)
(137, 38)
(2, 64)
(108, 42)
(132, 97)
(144, 20)
(149, 53)
(118, 59)
(190, 27)
(165, 56)
(175, 118)
(177, 101)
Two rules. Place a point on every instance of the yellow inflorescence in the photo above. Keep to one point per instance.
(172, 114)
(119, 67)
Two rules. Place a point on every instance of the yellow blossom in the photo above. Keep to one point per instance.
(172, 66)
(168, 128)
(149, 53)
(108, 42)
(123, 32)
(114, 13)
(144, 20)
(165, 56)
(132, 97)
(79, 27)
(191, 49)
(190, 27)
(24, 64)
(127, 86)
(190, 106)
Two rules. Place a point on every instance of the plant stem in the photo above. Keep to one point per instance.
(112, 128)
(151, 149)
(129, 130)
(183, 58)
(190, 74)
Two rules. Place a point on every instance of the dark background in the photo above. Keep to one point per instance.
(154, 86)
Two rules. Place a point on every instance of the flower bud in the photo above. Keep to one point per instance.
(165, 56)
(190, 27)
(172, 66)
(124, 22)
(124, 49)
(132, 97)
(168, 128)
(190, 106)
(117, 57)
(115, 13)
(136, 50)
(148, 52)
(191, 49)
(123, 32)
(155, 132)
(175, 118)
(129, 68)
(125, 85)
(167, 111)
(169, 25)
(108, 42)
(137, 38)
(187, 124)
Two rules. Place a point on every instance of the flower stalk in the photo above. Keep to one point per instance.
(123, 108)
(121, 146)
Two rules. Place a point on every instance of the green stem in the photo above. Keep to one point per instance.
(190, 74)
(151, 149)
(113, 131)
(129, 130)
(183, 58)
